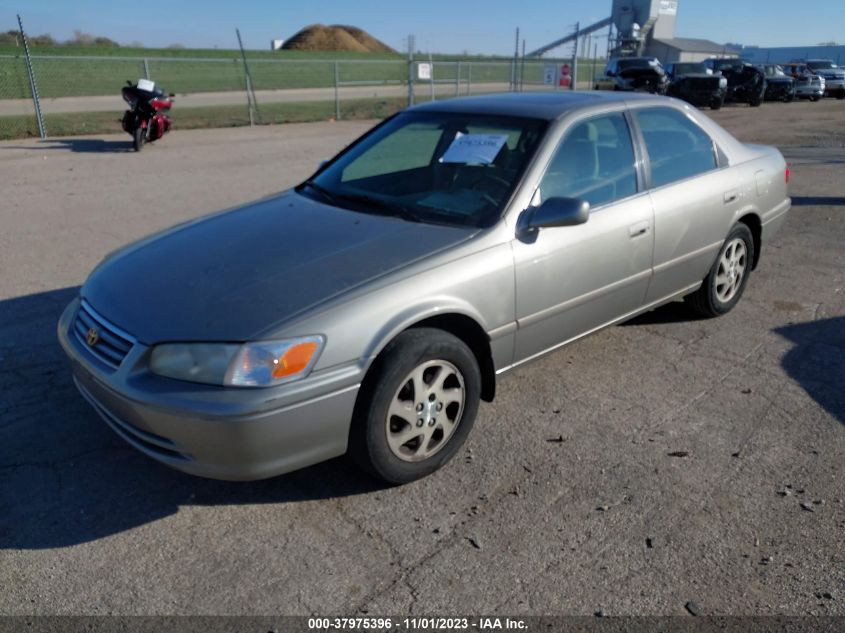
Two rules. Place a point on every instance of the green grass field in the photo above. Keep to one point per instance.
(182, 71)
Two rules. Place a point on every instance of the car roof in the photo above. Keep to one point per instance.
(537, 105)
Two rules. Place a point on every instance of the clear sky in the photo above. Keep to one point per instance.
(441, 26)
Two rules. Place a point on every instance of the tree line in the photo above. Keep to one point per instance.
(79, 38)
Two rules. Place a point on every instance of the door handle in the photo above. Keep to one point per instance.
(635, 230)
(731, 195)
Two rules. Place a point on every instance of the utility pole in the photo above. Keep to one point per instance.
(515, 58)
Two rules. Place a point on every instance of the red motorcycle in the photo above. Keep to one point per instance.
(146, 120)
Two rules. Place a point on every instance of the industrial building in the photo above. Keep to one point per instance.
(645, 27)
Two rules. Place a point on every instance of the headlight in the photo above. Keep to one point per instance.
(258, 364)
(723, 82)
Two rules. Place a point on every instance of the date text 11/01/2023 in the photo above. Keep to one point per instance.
(416, 623)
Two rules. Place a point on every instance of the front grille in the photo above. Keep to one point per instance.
(110, 343)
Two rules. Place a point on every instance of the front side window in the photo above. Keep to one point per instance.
(438, 167)
(677, 147)
(594, 162)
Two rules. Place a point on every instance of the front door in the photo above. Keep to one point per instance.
(571, 280)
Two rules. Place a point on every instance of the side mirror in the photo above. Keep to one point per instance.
(556, 212)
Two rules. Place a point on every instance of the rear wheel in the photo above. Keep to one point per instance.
(722, 288)
(138, 138)
(417, 406)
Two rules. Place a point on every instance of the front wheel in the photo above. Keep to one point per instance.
(417, 406)
(716, 103)
(138, 138)
(841, 94)
(722, 288)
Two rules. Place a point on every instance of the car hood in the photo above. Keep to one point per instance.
(231, 276)
(780, 79)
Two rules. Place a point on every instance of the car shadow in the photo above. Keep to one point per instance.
(66, 479)
(812, 201)
(79, 145)
(817, 361)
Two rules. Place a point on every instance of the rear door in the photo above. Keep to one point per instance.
(694, 195)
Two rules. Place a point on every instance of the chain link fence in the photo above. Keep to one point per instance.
(81, 94)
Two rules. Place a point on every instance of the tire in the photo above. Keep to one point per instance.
(395, 433)
(138, 138)
(789, 98)
(716, 103)
(756, 102)
(841, 94)
(815, 98)
(716, 297)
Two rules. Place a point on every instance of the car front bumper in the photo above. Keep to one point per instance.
(216, 432)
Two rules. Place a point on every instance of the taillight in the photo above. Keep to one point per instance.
(786, 173)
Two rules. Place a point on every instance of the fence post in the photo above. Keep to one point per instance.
(33, 85)
(457, 78)
(575, 57)
(146, 69)
(469, 78)
(336, 93)
(431, 80)
(410, 70)
(252, 102)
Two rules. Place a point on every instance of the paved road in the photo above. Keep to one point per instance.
(568, 485)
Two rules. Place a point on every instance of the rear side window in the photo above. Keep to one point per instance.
(595, 162)
(677, 147)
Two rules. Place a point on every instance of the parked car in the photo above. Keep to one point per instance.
(808, 85)
(833, 75)
(746, 83)
(638, 74)
(695, 83)
(372, 307)
(779, 85)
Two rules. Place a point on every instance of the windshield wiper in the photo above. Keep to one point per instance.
(327, 195)
(379, 207)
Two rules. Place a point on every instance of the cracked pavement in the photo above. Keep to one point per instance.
(654, 463)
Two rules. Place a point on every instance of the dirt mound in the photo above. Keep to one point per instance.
(319, 37)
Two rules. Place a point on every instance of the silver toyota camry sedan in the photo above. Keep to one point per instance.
(371, 308)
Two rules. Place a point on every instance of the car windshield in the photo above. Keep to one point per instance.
(689, 69)
(436, 167)
(821, 65)
(773, 71)
(727, 64)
